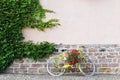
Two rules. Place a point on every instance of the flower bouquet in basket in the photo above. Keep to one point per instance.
(72, 57)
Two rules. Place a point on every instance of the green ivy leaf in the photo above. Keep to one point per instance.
(14, 16)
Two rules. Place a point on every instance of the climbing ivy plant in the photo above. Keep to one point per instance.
(14, 16)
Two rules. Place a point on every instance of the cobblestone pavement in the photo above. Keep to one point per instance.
(64, 77)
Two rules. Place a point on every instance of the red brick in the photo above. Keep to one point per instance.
(105, 70)
(118, 60)
(102, 61)
(111, 56)
(101, 57)
(67, 46)
(105, 60)
(37, 65)
(113, 53)
(114, 60)
(32, 70)
(14, 65)
(20, 70)
(117, 56)
(97, 54)
(9, 70)
(42, 70)
(92, 50)
(104, 65)
(24, 65)
(90, 54)
(113, 65)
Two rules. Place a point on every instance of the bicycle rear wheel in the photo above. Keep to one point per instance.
(53, 67)
(87, 67)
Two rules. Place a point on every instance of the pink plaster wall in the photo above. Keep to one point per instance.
(82, 22)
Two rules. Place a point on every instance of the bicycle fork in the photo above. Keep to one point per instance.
(79, 67)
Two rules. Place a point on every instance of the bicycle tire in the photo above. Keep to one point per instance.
(52, 69)
(87, 67)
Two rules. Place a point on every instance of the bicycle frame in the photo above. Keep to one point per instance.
(60, 63)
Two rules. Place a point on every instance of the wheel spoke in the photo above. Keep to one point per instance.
(87, 66)
(53, 67)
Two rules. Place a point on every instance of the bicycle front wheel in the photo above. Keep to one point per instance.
(87, 66)
(53, 67)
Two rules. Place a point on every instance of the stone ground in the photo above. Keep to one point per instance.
(63, 77)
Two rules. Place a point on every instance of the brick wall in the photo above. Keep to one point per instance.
(106, 58)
